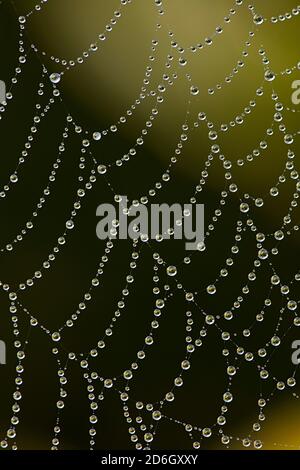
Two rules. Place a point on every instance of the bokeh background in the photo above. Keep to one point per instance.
(96, 93)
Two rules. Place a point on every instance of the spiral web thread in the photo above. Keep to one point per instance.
(143, 435)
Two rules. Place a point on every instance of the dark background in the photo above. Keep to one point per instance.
(96, 94)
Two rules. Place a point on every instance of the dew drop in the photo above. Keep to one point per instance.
(55, 77)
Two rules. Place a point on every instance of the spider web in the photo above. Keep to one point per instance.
(220, 344)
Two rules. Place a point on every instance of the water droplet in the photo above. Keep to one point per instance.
(70, 224)
(269, 76)
(211, 289)
(97, 135)
(55, 77)
(288, 139)
(257, 19)
(171, 270)
(55, 336)
(102, 169)
(194, 90)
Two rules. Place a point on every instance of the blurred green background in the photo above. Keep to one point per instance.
(96, 93)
